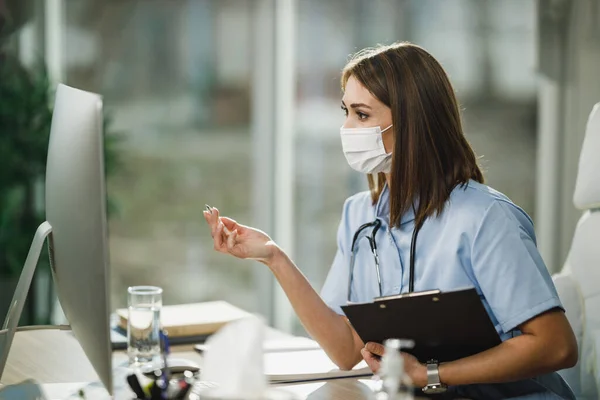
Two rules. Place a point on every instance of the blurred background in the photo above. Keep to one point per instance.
(235, 103)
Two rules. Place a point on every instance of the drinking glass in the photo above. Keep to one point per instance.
(143, 324)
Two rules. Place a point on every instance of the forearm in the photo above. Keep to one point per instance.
(328, 328)
(518, 358)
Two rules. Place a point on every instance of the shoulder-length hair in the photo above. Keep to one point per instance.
(431, 155)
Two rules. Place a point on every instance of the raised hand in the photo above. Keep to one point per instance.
(240, 241)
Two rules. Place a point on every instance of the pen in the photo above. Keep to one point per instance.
(156, 391)
(210, 210)
(185, 385)
(134, 384)
(164, 341)
(184, 391)
(184, 388)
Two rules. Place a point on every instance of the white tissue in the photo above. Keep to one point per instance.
(234, 360)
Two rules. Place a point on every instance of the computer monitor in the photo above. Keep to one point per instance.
(76, 228)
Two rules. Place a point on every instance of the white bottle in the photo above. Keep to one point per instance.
(395, 384)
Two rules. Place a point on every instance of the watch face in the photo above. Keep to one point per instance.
(434, 389)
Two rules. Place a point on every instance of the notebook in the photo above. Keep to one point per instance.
(118, 339)
(196, 319)
(295, 343)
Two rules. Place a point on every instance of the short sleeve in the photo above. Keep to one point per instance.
(335, 290)
(509, 268)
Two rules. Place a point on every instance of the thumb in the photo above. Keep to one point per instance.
(234, 247)
(375, 348)
(230, 224)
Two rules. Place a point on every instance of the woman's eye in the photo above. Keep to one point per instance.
(345, 110)
(361, 116)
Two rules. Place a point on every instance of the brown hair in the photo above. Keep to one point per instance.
(431, 155)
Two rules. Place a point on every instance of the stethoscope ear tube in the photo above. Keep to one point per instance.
(373, 245)
(351, 274)
(413, 245)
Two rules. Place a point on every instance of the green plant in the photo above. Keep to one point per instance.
(25, 119)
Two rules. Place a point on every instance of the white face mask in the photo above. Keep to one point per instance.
(364, 150)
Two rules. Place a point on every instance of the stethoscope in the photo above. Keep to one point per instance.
(362, 232)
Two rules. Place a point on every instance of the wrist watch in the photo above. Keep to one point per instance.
(433, 379)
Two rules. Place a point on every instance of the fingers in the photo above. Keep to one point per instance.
(214, 225)
(371, 360)
(207, 213)
(221, 229)
(375, 348)
(219, 221)
(211, 214)
(231, 241)
(209, 220)
(226, 231)
(218, 238)
(214, 217)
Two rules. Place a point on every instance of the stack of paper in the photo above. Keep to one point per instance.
(306, 365)
(299, 359)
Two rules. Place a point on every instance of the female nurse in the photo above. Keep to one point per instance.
(403, 129)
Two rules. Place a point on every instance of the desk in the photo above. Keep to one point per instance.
(52, 357)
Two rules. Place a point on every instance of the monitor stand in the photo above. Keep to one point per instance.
(9, 327)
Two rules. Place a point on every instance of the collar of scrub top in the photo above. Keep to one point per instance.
(362, 231)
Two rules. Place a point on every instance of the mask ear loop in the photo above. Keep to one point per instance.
(387, 128)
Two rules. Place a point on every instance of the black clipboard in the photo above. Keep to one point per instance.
(445, 326)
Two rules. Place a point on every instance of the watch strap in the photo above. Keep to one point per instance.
(433, 373)
(434, 385)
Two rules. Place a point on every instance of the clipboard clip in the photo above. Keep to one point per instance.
(410, 294)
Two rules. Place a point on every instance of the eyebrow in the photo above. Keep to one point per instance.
(357, 105)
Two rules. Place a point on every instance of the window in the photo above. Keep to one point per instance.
(193, 86)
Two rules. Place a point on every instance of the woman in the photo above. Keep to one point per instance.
(403, 129)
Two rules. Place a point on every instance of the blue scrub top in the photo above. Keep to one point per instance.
(480, 240)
